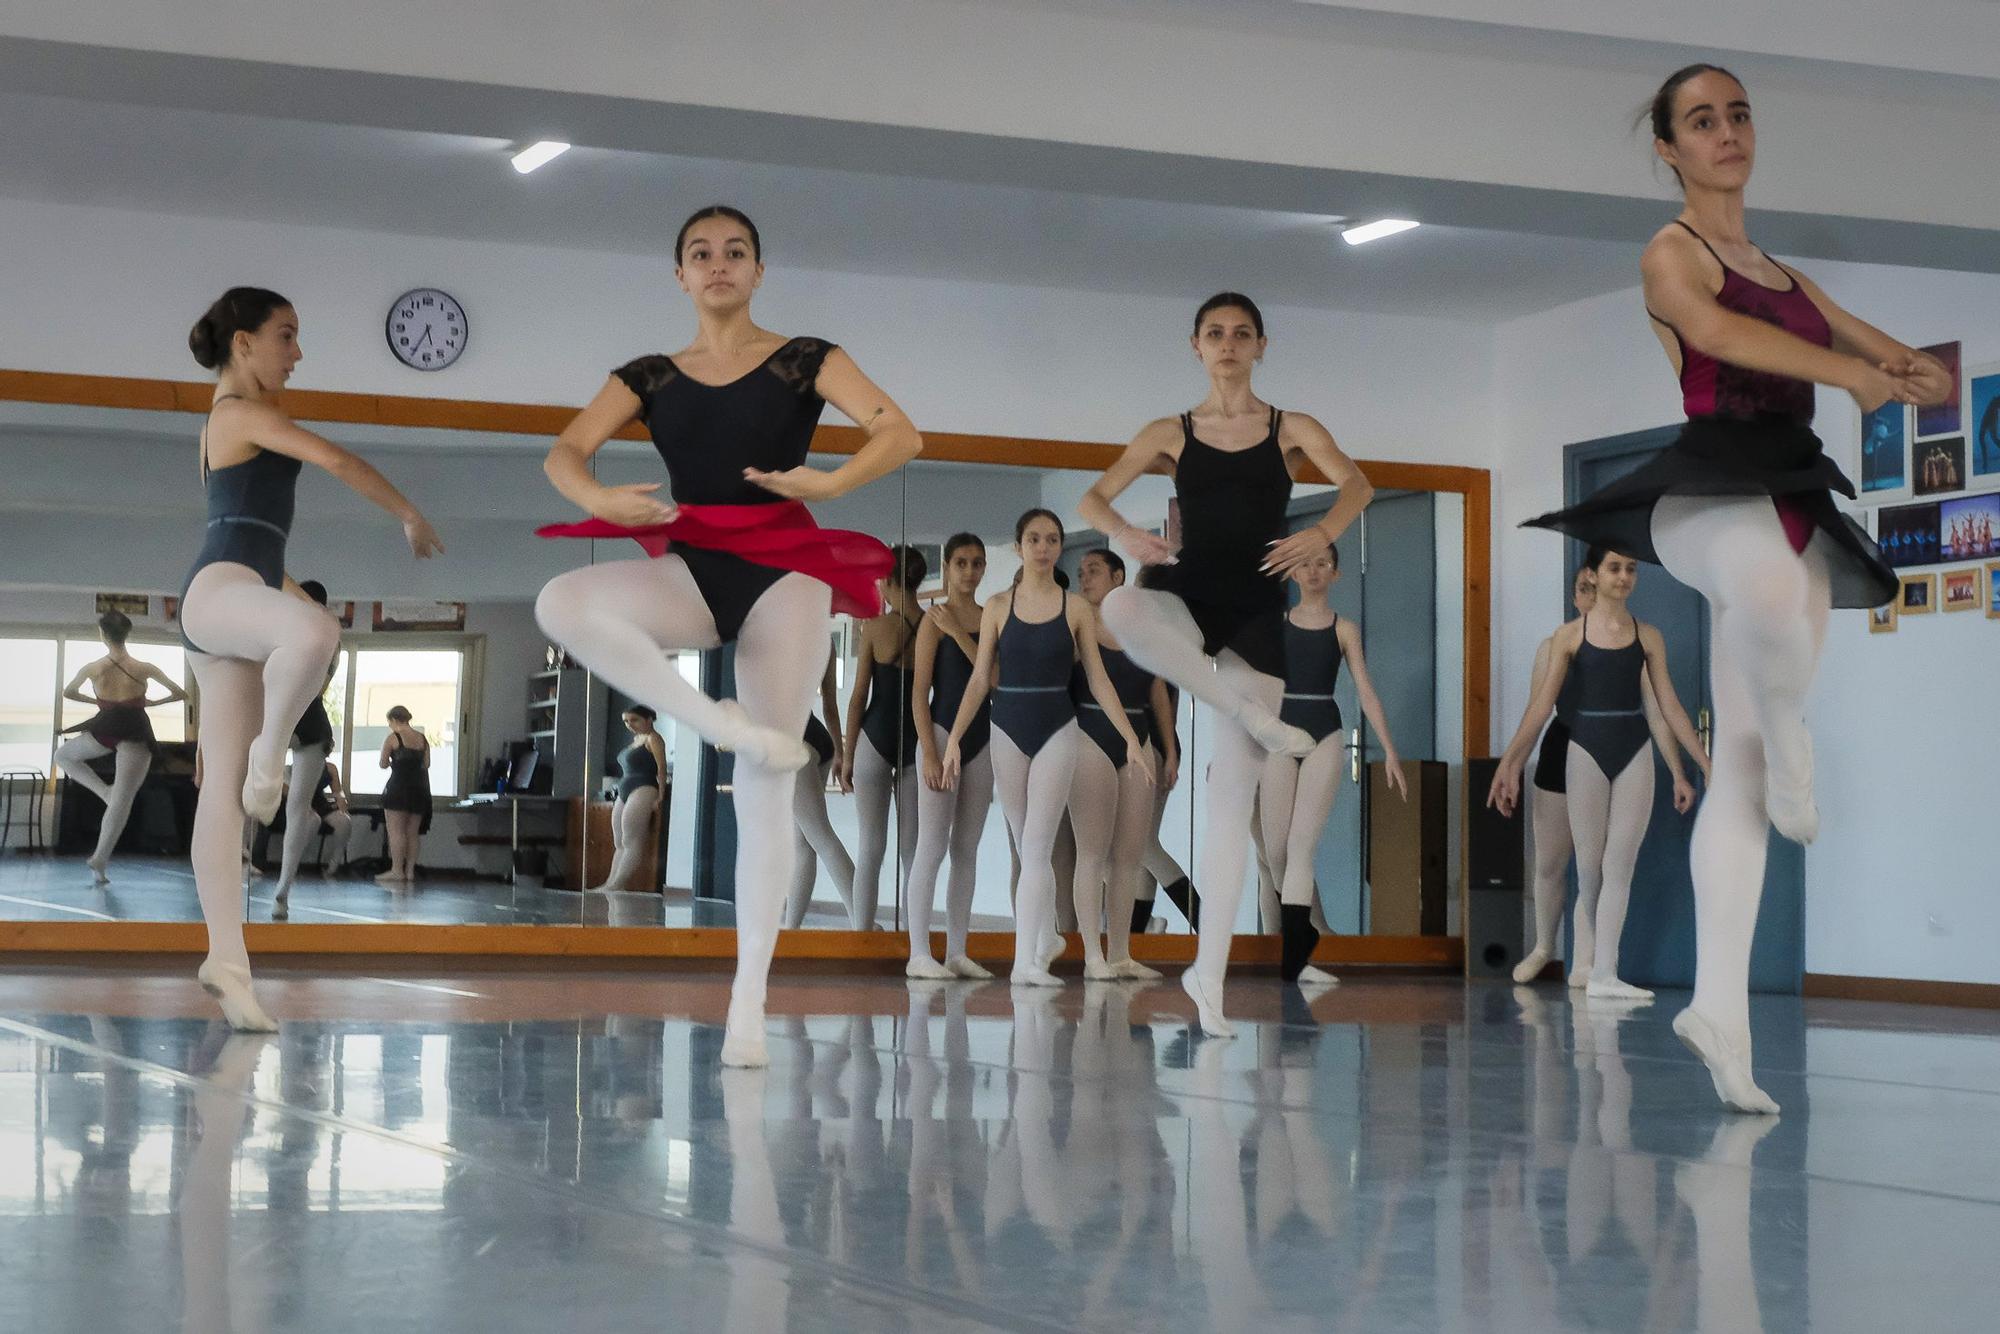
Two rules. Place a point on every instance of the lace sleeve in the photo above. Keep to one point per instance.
(646, 376)
(797, 363)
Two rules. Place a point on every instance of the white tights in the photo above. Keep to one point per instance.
(621, 619)
(1769, 608)
(1607, 821)
(404, 832)
(263, 660)
(877, 787)
(814, 843)
(1110, 809)
(1295, 799)
(302, 823)
(135, 759)
(1158, 863)
(631, 832)
(1032, 792)
(1553, 845)
(949, 822)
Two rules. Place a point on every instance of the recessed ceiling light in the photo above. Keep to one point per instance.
(1375, 231)
(548, 150)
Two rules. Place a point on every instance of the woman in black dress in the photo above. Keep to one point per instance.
(406, 797)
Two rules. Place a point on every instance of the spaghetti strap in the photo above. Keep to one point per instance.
(1704, 245)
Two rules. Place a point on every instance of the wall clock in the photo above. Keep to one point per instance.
(426, 329)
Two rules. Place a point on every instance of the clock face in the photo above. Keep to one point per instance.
(426, 329)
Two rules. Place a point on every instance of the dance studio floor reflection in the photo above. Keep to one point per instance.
(496, 1152)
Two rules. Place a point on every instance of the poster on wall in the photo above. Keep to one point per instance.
(1884, 448)
(1993, 590)
(131, 604)
(1943, 419)
(1984, 423)
(1969, 527)
(1959, 589)
(1938, 466)
(1908, 534)
(1919, 596)
(1882, 619)
(419, 616)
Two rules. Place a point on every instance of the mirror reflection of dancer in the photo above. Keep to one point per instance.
(1549, 810)
(879, 761)
(1740, 508)
(1619, 664)
(1110, 798)
(639, 768)
(406, 796)
(949, 819)
(732, 416)
(119, 687)
(313, 777)
(816, 843)
(259, 648)
(1162, 871)
(1029, 639)
(1210, 617)
(1296, 795)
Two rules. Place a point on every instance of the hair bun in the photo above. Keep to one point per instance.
(201, 342)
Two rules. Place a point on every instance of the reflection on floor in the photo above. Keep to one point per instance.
(500, 1152)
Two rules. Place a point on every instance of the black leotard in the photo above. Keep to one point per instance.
(708, 434)
(1552, 767)
(249, 517)
(1609, 720)
(886, 720)
(1134, 685)
(1312, 667)
(315, 727)
(1032, 701)
(409, 785)
(951, 673)
(637, 769)
(1232, 504)
(819, 739)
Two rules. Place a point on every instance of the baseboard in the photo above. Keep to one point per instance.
(1906, 991)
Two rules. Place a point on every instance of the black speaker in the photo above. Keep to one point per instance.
(1495, 932)
(1494, 849)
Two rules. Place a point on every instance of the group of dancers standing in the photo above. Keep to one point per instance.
(1740, 507)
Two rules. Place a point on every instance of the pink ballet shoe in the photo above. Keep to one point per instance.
(263, 788)
(1615, 989)
(1788, 785)
(1099, 970)
(1274, 734)
(1207, 1000)
(963, 967)
(97, 871)
(1131, 970)
(229, 983)
(1310, 976)
(1029, 976)
(926, 969)
(743, 1039)
(1728, 1068)
(763, 746)
(1531, 967)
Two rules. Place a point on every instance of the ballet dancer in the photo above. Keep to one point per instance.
(259, 647)
(1162, 871)
(120, 686)
(306, 805)
(1296, 795)
(1741, 509)
(1549, 809)
(949, 819)
(406, 797)
(639, 768)
(732, 416)
(1210, 616)
(1026, 663)
(1608, 770)
(815, 843)
(1110, 798)
(883, 772)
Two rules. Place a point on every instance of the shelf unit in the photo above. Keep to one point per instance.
(558, 724)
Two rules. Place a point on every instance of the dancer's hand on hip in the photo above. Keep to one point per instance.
(1295, 550)
(800, 483)
(633, 506)
(1144, 547)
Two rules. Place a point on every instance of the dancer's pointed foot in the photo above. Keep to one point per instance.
(1531, 967)
(1727, 1066)
(264, 785)
(1027, 975)
(743, 1038)
(1274, 734)
(97, 871)
(961, 966)
(1131, 970)
(229, 983)
(926, 969)
(764, 746)
(1099, 970)
(281, 904)
(1615, 989)
(1207, 1000)
(1310, 976)
(1579, 976)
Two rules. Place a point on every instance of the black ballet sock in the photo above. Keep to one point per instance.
(1187, 899)
(1142, 916)
(1298, 936)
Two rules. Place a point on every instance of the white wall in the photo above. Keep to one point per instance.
(1905, 878)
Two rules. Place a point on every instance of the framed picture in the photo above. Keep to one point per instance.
(134, 605)
(1984, 422)
(1882, 620)
(1919, 595)
(1993, 590)
(1944, 419)
(1938, 466)
(345, 612)
(1908, 534)
(1960, 589)
(419, 616)
(1969, 527)
(170, 609)
(1885, 448)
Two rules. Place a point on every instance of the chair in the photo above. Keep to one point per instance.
(38, 786)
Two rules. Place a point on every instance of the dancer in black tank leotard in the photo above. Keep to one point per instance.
(633, 814)
(1212, 622)
(879, 761)
(406, 796)
(1035, 632)
(815, 844)
(949, 820)
(732, 416)
(121, 688)
(259, 649)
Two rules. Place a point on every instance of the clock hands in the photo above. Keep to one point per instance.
(421, 341)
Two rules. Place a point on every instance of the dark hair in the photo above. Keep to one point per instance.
(1659, 113)
(1112, 560)
(116, 625)
(1230, 301)
(239, 310)
(1062, 580)
(313, 589)
(720, 211)
(910, 567)
(646, 711)
(399, 714)
(1333, 550)
(957, 540)
(1593, 559)
(1029, 516)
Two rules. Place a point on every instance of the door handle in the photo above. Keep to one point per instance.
(1354, 755)
(1704, 726)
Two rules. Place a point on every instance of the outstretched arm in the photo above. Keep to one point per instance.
(243, 421)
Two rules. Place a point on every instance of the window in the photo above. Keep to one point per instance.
(28, 688)
(427, 682)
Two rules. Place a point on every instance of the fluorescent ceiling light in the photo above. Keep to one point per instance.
(1375, 231)
(548, 150)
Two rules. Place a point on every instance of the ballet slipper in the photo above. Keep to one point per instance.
(263, 787)
(1579, 976)
(1531, 967)
(765, 746)
(388, 877)
(1310, 976)
(743, 1039)
(229, 983)
(1029, 976)
(1274, 734)
(97, 871)
(281, 904)
(961, 966)
(1207, 999)
(1727, 1067)
(1790, 803)
(1615, 989)
(1130, 969)
(1052, 949)
(926, 969)
(1098, 970)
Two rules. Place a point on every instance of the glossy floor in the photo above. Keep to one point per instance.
(499, 1152)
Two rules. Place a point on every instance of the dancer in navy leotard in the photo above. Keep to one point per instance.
(1209, 617)
(121, 688)
(633, 814)
(815, 842)
(878, 763)
(732, 416)
(949, 819)
(1033, 634)
(259, 648)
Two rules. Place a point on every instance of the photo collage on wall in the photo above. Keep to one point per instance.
(1949, 454)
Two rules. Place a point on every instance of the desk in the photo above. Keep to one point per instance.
(514, 801)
